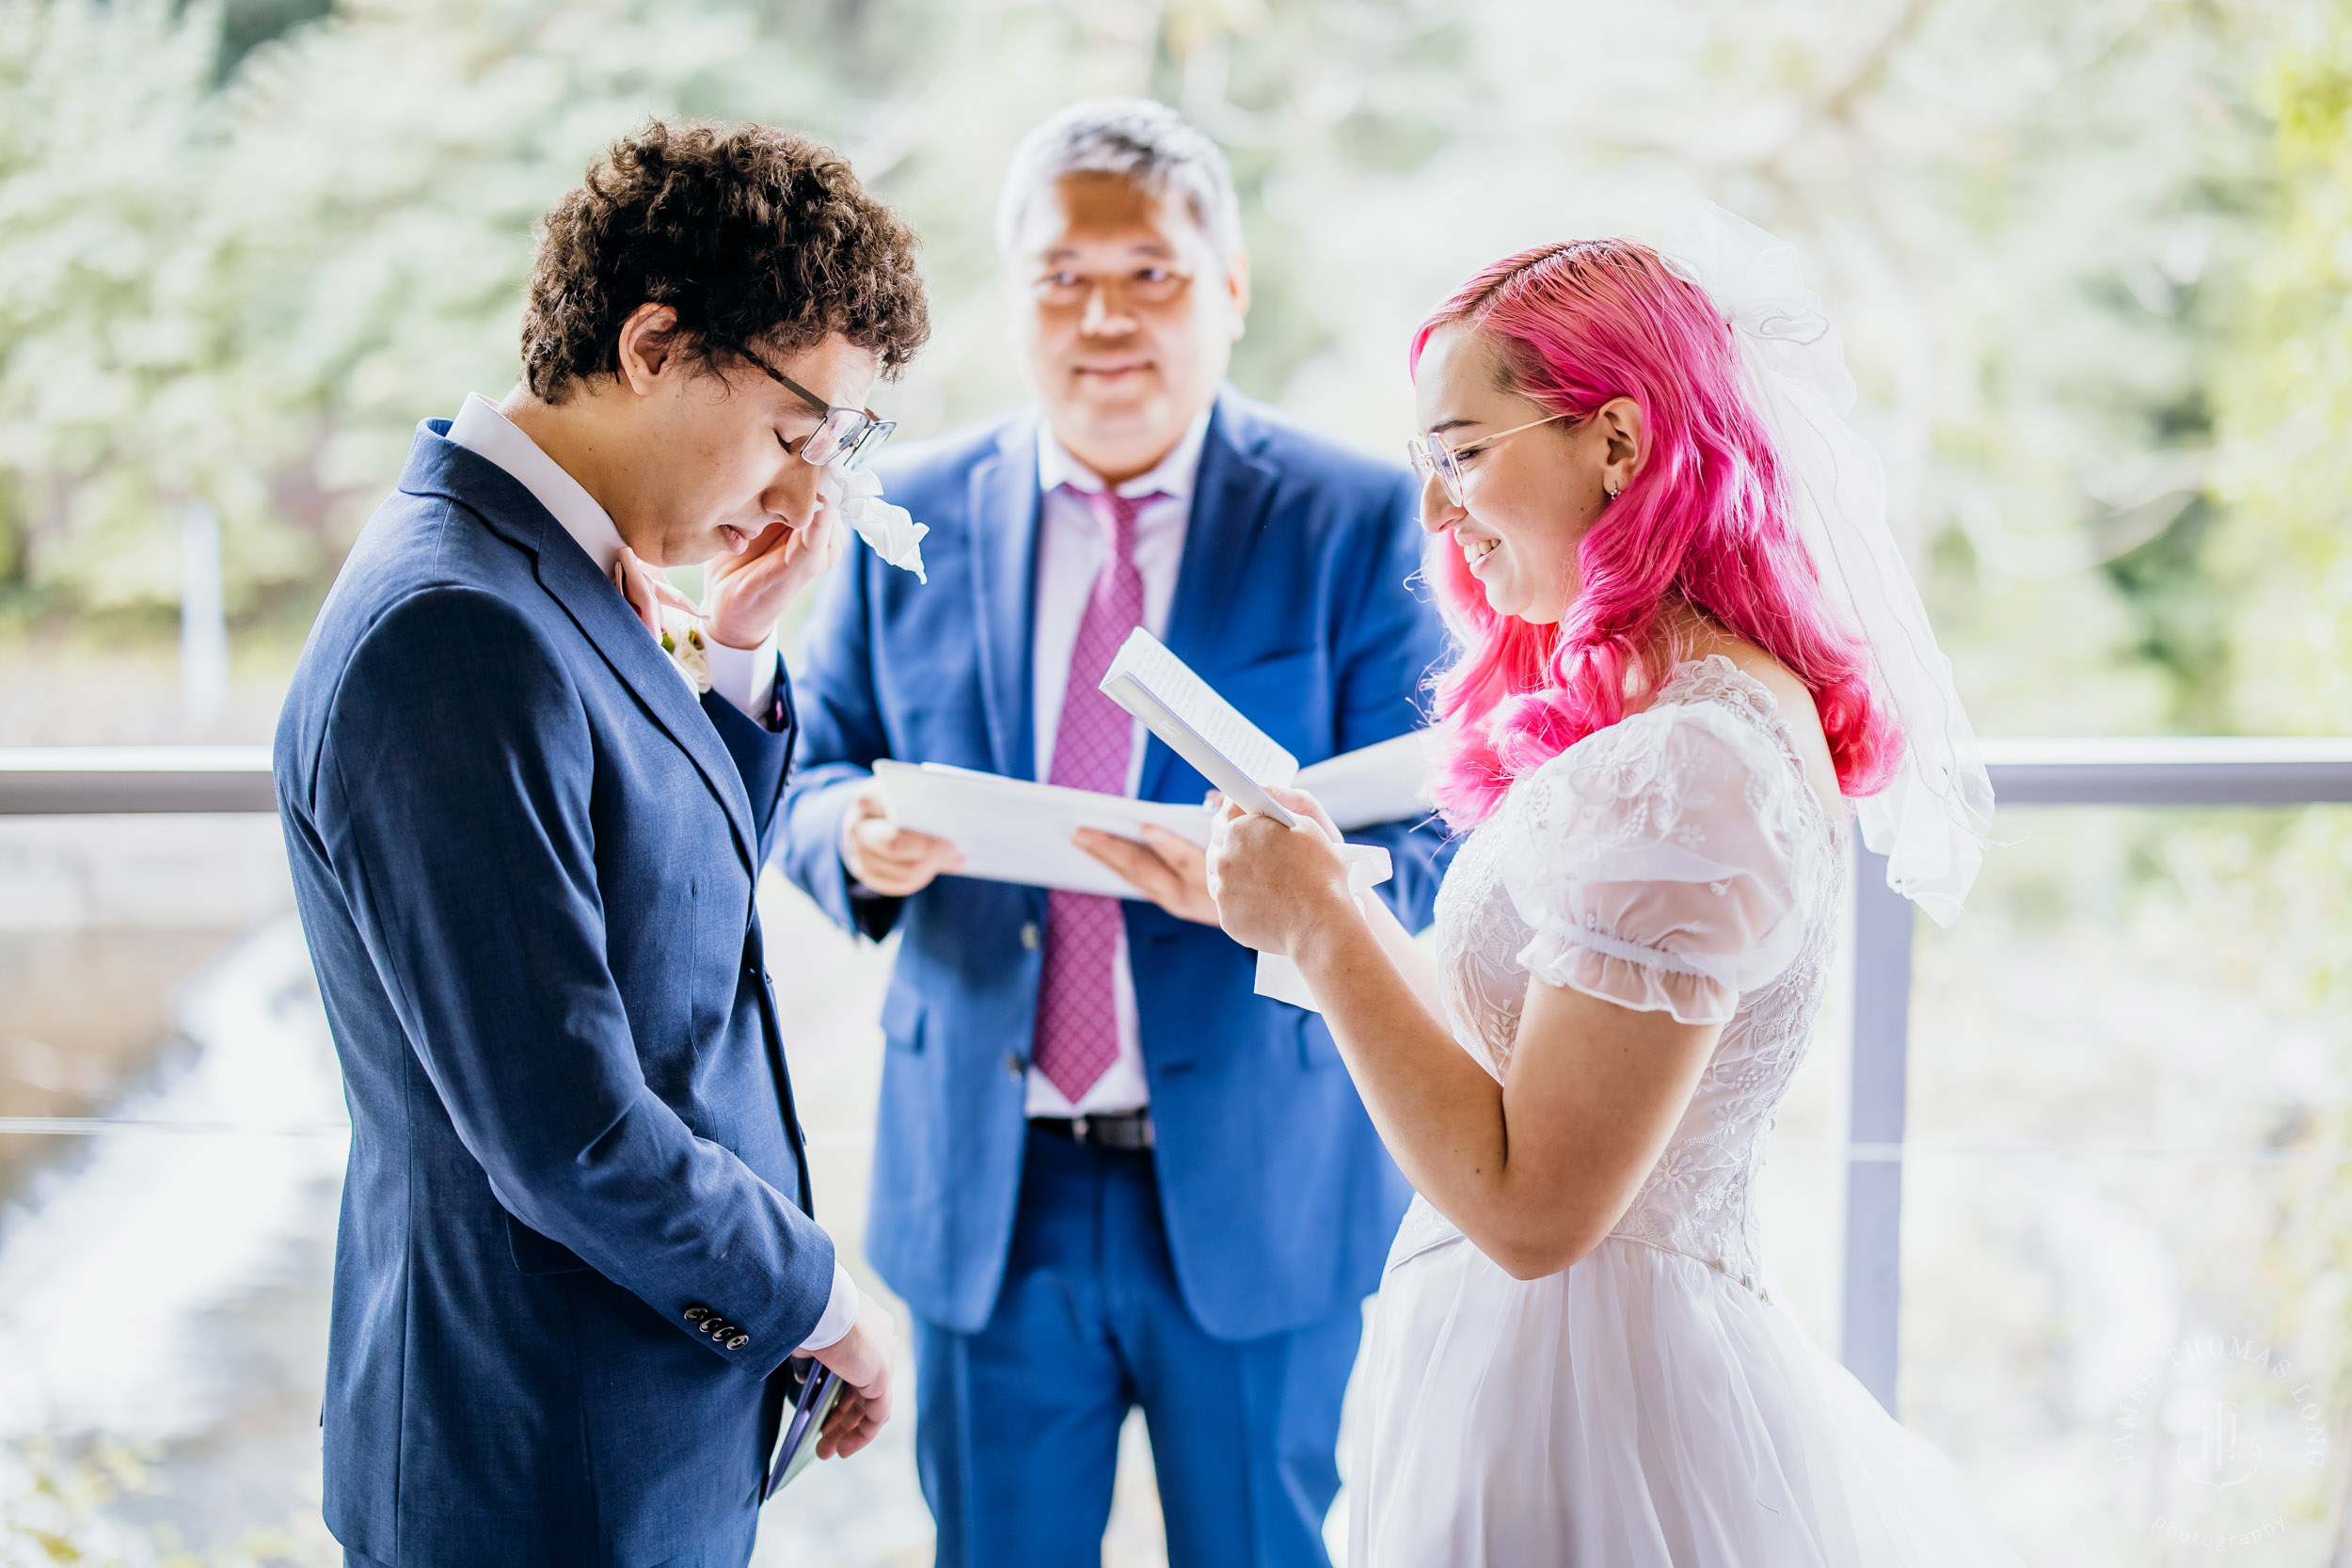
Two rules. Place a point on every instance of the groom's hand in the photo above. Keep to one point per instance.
(745, 595)
(864, 1357)
(1167, 868)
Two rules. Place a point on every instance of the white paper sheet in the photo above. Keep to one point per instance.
(1385, 782)
(1012, 831)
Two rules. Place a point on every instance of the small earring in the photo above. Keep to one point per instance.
(1609, 492)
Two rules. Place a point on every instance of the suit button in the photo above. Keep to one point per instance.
(736, 1342)
(698, 1312)
(1014, 1064)
(1029, 935)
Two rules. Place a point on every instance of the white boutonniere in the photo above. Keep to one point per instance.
(682, 639)
(892, 530)
(672, 618)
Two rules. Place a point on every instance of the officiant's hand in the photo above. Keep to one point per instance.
(864, 1358)
(745, 595)
(885, 856)
(1271, 883)
(1167, 868)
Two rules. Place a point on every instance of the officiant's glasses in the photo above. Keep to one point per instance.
(844, 437)
(1431, 456)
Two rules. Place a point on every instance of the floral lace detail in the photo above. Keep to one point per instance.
(1614, 791)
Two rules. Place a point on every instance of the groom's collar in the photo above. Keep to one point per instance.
(439, 465)
(481, 429)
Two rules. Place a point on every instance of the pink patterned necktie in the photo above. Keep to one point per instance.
(1077, 1025)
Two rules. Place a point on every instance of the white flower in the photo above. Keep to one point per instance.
(892, 530)
(682, 639)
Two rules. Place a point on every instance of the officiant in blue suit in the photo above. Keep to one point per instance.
(1107, 1174)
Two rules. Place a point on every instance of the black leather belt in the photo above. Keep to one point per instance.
(1129, 1132)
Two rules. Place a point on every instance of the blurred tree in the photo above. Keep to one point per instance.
(105, 129)
(2031, 221)
(2286, 411)
(2285, 405)
(247, 25)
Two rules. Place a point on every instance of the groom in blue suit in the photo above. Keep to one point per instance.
(576, 1250)
(1107, 1174)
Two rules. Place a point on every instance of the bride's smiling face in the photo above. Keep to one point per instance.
(1528, 497)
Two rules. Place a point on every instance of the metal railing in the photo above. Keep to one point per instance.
(107, 781)
(2157, 771)
(2205, 770)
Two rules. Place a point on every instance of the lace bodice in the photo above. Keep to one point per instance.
(1677, 861)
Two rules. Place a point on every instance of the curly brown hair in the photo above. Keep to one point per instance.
(753, 235)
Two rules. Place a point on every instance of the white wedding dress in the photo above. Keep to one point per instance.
(1648, 1406)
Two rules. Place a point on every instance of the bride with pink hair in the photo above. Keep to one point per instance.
(1688, 652)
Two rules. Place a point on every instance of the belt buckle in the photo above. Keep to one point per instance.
(1100, 1133)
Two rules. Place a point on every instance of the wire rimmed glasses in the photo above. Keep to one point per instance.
(1430, 456)
(844, 437)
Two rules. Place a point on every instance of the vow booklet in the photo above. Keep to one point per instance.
(1237, 756)
(1012, 831)
(796, 1444)
(1199, 725)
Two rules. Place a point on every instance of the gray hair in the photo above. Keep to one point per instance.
(1147, 143)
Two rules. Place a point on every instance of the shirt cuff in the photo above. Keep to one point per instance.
(840, 1314)
(744, 676)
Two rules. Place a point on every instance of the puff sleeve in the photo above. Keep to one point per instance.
(1655, 862)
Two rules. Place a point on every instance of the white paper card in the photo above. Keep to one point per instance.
(1012, 831)
(1199, 725)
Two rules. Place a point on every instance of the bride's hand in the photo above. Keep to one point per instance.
(1274, 883)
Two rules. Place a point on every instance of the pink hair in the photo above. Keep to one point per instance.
(1705, 520)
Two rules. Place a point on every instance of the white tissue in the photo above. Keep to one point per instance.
(892, 530)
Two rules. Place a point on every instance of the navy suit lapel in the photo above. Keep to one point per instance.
(1228, 502)
(595, 606)
(1001, 516)
(600, 612)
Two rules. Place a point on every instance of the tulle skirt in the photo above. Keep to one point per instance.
(1640, 1410)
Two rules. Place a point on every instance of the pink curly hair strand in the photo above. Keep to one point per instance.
(1705, 521)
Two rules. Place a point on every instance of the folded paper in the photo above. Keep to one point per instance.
(1012, 831)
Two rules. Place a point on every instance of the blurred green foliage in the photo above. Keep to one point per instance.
(2286, 408)
(63, 1503)
(2285, 423)
(250, 242)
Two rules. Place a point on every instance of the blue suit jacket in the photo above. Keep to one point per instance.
(524, 859)
(1292, 600)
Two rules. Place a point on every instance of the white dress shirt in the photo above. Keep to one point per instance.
(745, 676)
(1071, 549)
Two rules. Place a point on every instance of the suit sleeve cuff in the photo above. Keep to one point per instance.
(840, 1314)
(746, 677)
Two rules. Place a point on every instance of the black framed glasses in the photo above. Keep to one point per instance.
(844, 437)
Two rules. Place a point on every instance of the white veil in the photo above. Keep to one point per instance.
(1934, 819)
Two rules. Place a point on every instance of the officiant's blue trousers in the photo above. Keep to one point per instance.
(1017, 1426)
